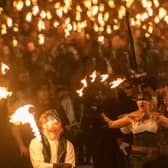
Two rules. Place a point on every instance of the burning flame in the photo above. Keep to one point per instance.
(80, 91)
(116, 82)
(104, 77)
(84, 82)
(22, 116)
(93, 76)
(4, 68)
(4, 93)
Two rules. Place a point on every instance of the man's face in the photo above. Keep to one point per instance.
(52, 129)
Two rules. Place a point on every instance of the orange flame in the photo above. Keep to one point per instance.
(104, 77)
(116, 82)
(80, 91)
(84, 82)
(22, 116)
(4, 93)
(4, 68)
(93, 76)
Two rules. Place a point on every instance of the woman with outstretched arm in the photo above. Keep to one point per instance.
(143, 124)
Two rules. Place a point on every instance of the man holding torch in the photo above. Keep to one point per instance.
(53, 150)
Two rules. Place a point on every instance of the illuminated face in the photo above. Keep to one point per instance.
(52, 128)
(144, 105)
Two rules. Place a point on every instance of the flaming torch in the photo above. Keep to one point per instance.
(4, 68)
(84, 83)
(117, 82)
(104, 77)
(22, 116)
(4, 93)
(93, 76)
(80, 91)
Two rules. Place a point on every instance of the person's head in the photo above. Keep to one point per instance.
(23, 75)
(50, 124)
(144, 102)
(43, 96)
(129, 89)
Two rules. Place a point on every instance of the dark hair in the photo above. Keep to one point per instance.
(144, 96)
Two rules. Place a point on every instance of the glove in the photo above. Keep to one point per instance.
(62, 165)
(123, 147)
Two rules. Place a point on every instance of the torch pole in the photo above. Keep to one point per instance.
(132, 55)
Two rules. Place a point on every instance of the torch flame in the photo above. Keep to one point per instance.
(84, 82)
(93, 76)
(4, 93)
(104, 77)
(4, 68)
(116, 82)
(22, 116)
(80, 91)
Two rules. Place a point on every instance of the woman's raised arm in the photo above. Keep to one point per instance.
(124, 121)
(163, 121)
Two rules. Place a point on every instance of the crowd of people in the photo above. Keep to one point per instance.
(48, 76)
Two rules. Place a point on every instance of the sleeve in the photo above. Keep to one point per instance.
(70, 154)
(36, 155)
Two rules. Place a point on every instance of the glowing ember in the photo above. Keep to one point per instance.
(22, 116)
(4, 93)
(116, 82)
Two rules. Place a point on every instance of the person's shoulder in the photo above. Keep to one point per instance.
(35, 142)
(69, 144)
(155, 115)
(134, 114)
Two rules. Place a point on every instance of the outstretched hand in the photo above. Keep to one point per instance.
(105, 118)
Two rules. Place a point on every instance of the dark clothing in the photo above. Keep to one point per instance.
(144, 149)
(110, 153)
(61, 149)
(9, 157)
